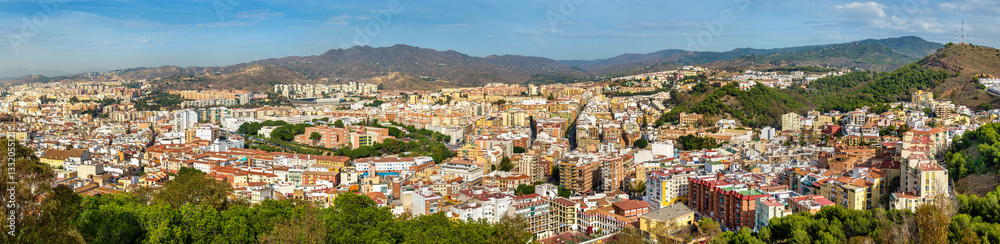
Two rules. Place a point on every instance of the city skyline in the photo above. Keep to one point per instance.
(75, 36)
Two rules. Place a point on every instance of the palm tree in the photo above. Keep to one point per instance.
(637, 187)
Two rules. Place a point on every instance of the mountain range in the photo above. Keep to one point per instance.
(408, 67)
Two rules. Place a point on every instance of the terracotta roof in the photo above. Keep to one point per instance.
(63, 154)
(631, 204)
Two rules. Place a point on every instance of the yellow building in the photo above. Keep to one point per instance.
(666, 219)
(860, 192)
(563, 214)
(791, 121)
(57, 158)
(922, 180)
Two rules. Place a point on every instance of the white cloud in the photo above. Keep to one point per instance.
(342, 20)
(866, 10)
(910, 19)
(983, 6)
(454, 26)
(226, 24)
(664, 25)
(260, 14)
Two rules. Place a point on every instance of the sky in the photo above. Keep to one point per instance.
(51, 36)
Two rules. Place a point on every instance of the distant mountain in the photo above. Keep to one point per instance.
(409, 67)
(868, 56)
(909, 45)
(883, 54)
(444, 66)
(431, 68)
(623, 59)
(22, 71)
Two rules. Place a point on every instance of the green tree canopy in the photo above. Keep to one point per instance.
(641, 143)
(191, 186)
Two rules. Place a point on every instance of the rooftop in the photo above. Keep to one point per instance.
(669, 212)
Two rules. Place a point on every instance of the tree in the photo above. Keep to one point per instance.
(708, 227)
(191, 186)
(523, 189)
(799, 236)
(691, 142)
(641, 143)
(969, 237)
(511, 229)
(932, 222)
(111, 220)
(519, 149)
(637, 187)
(338, 124)
(505, 164)
(33, 181)
(74, 99)
(565, 193)
(629, 235)
(356, 219)
(59, 210)
(315, 136)
(306, 228)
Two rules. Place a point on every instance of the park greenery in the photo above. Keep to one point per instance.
(640, 143)
(158, 100)
(252, 128)
(413, 142)
(692, 142)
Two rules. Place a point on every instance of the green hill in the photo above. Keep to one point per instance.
(869, 88)
(951, 73)
(760, 106)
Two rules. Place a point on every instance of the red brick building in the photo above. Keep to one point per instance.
(726, 200)
(631, 208)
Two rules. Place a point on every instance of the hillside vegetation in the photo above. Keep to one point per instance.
(969, 62)
(759, 106)
(950, 73)
(869, 88)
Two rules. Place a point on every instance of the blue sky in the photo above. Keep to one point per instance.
(78, 35)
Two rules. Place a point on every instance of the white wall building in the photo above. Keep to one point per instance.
(185, 119)
(393, 164)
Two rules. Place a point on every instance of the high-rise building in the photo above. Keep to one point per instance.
(790, 121)
(728, 201)
(666, 187)
(185, 119)
(535, 209)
